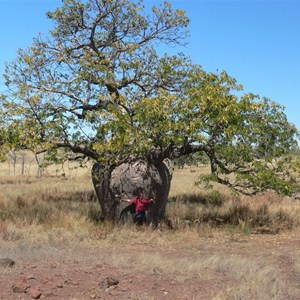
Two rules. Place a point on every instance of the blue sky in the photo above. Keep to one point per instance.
(255, 41)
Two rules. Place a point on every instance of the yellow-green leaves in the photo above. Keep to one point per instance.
(98, 86)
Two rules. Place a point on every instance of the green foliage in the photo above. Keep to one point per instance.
(194, 159)
(97, 87)
(213, 199)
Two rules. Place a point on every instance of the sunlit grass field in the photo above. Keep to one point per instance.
(60, 210)
(57, 206)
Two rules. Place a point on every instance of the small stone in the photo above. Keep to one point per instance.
(50, 295)
(111, 281)
(93, 296)
(114, 293)
(20, 287)
(34, 293)
(107, 290)
(7, 262)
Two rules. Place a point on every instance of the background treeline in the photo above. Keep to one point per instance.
(25, 162)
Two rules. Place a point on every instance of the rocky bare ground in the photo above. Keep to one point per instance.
(85, 271)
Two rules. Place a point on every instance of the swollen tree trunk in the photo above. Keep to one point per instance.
(126, 181)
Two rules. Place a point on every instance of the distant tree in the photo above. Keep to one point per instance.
(98, 86)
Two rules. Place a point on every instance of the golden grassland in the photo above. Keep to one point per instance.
(51, 207)
(62, 211)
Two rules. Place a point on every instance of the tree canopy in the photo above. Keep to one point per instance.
(101, 86)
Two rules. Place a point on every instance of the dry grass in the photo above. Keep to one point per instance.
(69, 204)
(63, 211)
(268, 213)
(47, 209)
(251, 279)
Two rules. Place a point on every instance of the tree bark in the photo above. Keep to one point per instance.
(126, 181)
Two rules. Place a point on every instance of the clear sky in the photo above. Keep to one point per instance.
(255, 41)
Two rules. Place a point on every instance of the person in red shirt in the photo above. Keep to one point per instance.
(140, 204)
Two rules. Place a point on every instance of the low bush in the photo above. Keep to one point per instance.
(223, 211)
(52, 203)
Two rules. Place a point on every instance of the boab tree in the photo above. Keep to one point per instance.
(98, 86)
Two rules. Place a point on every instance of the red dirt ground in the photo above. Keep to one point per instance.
(81, 272)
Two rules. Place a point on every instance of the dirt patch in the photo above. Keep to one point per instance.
(215, 266)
